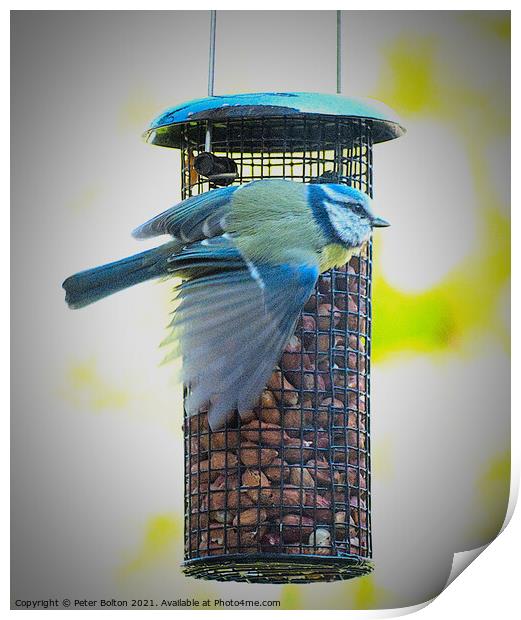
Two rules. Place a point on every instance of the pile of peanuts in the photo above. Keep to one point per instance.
(291, 476)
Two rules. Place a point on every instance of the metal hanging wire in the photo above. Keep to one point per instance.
(211, 55)
(338, 157)
(338, 52)
(211, 75)
(211, 65)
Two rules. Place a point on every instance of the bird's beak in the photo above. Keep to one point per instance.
(379, 222)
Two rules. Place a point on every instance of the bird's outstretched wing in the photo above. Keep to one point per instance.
(232, 323)
(196, 218)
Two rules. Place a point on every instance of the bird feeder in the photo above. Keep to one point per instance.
(285, 495)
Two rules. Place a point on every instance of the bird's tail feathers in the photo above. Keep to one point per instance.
(88, 286)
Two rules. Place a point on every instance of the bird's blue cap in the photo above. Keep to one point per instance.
(167, 128)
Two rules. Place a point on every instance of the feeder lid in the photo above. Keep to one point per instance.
(166, 129)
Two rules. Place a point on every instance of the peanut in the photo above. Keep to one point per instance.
(328, 316)
(214, 534)
(222, 460)
(326, 409)
(198, 520)
(311, 304)
(320, 538)
(270, 415)
(252, 454)
(318, 438)
(341, 526)
(293, 358)
(297, 450)
(323, 343)
(289, 497)
(197, 423)
(323, 473)
(248, 416)
(200, 475)
(318, 507)
(225, 494)
(308, 327)
(356, 478)
(222, 516)
(309, 380)
(278, 470)
(250, 516)
(358, 511)
(264, 432)
(295, 528)
(270, 542)
(267, 400)
(295, 419)
(356, 457)
(282, 389)
(258, 487)
(300, 476)
(248, 540)
(219, 440)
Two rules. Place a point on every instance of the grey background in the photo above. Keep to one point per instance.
(96, 441)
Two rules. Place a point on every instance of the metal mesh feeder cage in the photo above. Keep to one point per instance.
(285, 495)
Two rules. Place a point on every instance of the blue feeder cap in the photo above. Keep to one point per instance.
(166, 129)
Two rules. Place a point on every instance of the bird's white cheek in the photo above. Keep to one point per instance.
(339, 221)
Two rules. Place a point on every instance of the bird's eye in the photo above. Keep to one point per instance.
(358, 209)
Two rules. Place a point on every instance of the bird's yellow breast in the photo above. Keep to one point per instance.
(334, 255)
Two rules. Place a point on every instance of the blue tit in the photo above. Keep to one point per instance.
(248, 257)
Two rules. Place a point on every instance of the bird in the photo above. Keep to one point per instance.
(248, 257)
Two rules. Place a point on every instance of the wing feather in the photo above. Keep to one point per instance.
(232, 327)
(198, 217)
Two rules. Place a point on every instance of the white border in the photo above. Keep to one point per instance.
(489, 586)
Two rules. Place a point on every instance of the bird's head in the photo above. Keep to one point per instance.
(343, 213)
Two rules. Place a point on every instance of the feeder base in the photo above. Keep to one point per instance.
(274, 568)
